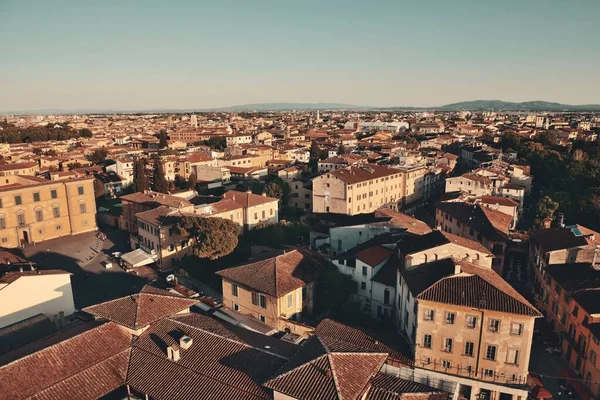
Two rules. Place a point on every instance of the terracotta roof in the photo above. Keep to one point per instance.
(10, 277)
(337, 337)
(388, 387)
(141, 309)
(10, 167)
(277, 276)
(225, 205)
(363, 173)
(374, 255)
(155, 215)
(503, 201)
(478, 287)
(415, 244)
(464, 242)
(411, 224)
(156, 198)
(86, 366)
(489, 223)
(216, 366)
(330, 376)
(552, 239)
(246, 200)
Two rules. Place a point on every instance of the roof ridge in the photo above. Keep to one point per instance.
(334, 375)
(298, 367)
(226, 338)
(63, 341)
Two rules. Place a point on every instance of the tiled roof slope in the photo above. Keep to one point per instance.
(141, 309)
(336, 337)
(24, 332)
(278, 275)
(389, 387)
(246, 200)
(478, 287)
(412, 225)
(331, 376)
(214, 367)
(86, 366)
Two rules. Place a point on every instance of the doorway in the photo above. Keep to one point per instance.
(25, 237)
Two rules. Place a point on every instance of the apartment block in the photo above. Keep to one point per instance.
(34, 209)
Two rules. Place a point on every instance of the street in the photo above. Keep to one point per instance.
(83, 255)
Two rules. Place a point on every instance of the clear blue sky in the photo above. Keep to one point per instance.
(182, 54)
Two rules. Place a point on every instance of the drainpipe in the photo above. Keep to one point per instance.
(479, 345)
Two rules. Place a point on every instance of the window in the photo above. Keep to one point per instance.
(18, 200)
(516, 329)
(304, 293)
(364, 271)
(21, 219)
(471, 321)
(0, 203)
(469, 347)
(82, 208)
(39, 216)
(490, 353)
(56, 211)
(290, 300)
(53, 194)
(427, 341)
(448, 345)
(255, 215)
(593, 357)
(263, 300)
(428, 316)
(80, 190)
(386, 296)
(58, 227)
(36, 196)
(263, 214)
(262, 319)
(234, 290)
(488, 372)
(255, 299)
(363, 285)
(446, 364)
(236, 307)
(575, 311)
(2, 223)
(450, 318)
(494, 325)
(512, 356)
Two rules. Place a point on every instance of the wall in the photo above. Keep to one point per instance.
(48, 294)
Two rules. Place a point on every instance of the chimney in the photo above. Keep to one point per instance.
(457, 269)
(249, 191)
(173, 352)
(185, 342)
(547, 223)
(264, 194)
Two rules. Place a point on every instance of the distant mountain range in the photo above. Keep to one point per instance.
(475, 105)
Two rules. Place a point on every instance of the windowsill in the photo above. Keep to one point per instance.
(511, 364)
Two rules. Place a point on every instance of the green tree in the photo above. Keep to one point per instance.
(74, 165)
(85, 133)
(341, 150)
(192, 181)
(273, 190)
(546, 207)
(51, 153)
(334, 290)
(159, 180)
(98, 156)
(140, 180)
(162, 139)
(216, 142)
(212, 237)
(511, 140)
(547, 138)
(37, 151)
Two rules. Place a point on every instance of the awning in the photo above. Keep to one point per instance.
(137, 258)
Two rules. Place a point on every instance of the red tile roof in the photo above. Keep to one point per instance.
(411, 224)
(246, 200)
(86, 366)
(363, 173)
(375, 255)
(141, 309)
(329, 376)
(277, 276)
(478, 287)
(10, 277)
(214, 367)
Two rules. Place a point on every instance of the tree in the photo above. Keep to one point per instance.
(98, 156)
(85, 133)
(341, 150)
(334, 290)
(159, 181)
(511, 140)
(315, 155)
(99, 190)
(216, 142)
(273, 190)
(51, 153)
(162, 139)
(546, 207)
(547, 138)
(212, 237)
(37, 151)
(192, 181)
(74, 165)
(140, 180)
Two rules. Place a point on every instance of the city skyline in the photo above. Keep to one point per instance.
(196, 55)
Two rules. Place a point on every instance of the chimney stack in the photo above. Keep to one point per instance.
(173, 352)
(185, 342)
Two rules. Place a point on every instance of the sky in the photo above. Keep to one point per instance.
(132, 55)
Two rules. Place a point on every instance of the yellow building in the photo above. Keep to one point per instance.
(34, 209)
(276, 291)
(358, 189)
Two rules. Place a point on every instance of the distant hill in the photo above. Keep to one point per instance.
(475, 105)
